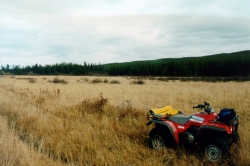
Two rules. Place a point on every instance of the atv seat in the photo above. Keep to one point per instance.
(180, 119)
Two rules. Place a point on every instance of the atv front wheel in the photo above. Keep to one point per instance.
(159, 139)
(236, 138)
(215, 149)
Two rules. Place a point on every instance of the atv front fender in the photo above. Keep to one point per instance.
(207, 130)
(168, 127)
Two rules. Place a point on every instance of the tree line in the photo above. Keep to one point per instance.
(224, 65)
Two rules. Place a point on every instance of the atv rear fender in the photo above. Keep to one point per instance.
(168, 127)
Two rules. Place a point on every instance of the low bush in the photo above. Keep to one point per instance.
(115, 82)
(97, 80)
(106, 81)
(32, 80)
(56, 80)
(95, 104)
(140, 82)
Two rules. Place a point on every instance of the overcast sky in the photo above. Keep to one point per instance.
(107, 31)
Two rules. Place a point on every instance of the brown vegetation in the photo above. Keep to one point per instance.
(104, 124)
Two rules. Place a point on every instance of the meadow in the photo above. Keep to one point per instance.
(90, 120)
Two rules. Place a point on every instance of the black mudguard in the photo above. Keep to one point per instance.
(165, 126)
(207, 131)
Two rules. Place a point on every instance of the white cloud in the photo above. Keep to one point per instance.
(106, 31)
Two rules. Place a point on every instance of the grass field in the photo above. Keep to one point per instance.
(102, 120)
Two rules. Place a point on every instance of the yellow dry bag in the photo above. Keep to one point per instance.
(162, 112)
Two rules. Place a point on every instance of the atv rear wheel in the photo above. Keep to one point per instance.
(159, 139)
(215, 149)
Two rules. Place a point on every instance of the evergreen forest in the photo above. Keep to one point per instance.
(223, 65)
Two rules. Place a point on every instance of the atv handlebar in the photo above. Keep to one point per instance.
(205, 106)
(199, 106)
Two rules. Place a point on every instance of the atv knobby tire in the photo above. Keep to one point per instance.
(215, 149)
(159, 139)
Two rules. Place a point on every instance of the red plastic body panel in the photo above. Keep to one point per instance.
(175, 131)
(209, 121)
(198, 119)
(201, 119)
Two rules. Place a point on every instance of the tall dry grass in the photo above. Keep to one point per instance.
(14, 152)
(81, 123)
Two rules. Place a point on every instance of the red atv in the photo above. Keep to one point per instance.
(211, 132)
